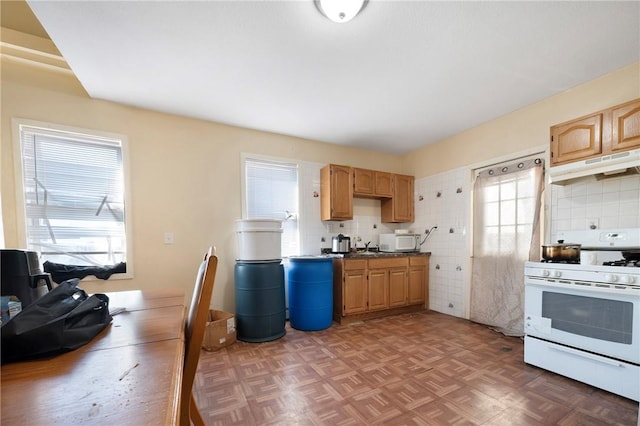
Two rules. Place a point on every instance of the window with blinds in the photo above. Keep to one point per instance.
(73, 188)
(271, 192)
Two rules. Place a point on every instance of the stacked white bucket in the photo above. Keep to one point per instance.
(259, 239)
(259, 281)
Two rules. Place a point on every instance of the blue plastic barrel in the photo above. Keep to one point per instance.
(310, 281)
(260, 305)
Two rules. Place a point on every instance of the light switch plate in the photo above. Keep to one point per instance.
(168, 238)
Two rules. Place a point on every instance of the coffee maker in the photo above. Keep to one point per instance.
(22, 276)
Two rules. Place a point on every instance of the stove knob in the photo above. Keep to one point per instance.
(557, 274)
(610, 278)
(627, 279)
(545, 273)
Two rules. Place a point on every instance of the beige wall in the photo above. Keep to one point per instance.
(185, 175)
(527, 128)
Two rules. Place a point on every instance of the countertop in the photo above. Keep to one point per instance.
(373, 254)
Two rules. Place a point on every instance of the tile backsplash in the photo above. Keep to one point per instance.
(443, 200)
(362, 229)
(609, 203)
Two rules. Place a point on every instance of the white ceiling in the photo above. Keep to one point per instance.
(402, 74)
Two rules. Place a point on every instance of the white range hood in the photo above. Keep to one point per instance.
(605, 166)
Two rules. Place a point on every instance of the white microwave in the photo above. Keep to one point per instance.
(399, 242)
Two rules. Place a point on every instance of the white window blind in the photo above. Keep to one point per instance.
(271, 192)
(74, 196)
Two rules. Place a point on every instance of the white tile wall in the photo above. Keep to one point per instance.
(609, 203)
(443, 200)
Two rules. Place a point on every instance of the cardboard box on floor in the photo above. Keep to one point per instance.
(220, 330)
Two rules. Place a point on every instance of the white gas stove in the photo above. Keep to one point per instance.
(583, 320)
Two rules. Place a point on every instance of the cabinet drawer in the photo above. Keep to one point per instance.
(389, 262)
(418, 260)
(354, 264)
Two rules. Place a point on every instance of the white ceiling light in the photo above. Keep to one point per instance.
(340, 10)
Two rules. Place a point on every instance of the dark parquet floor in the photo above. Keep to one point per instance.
(415, 369)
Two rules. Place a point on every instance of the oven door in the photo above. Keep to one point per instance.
(596, 319)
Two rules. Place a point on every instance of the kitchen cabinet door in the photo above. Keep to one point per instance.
(416, 285)
(372, 183)
(363, 182)
(400, 207)
(336, 193)
(384, 184)
(418, 281)
(577, 139)
(418, 267)
(378, 289)
(398, 287)
(354, 292)
(625, 126)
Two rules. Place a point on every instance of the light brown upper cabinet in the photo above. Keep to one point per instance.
(576, 140)
(400, 207)
(604, 132)
(372, 183)
(336, 192)
(625, 126)
(339, 184)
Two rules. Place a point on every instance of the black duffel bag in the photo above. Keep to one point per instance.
(60, 321)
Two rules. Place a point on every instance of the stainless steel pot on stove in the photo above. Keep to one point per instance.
(340, 244)
(561, 252)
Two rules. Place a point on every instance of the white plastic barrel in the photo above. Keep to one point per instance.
(259, 239)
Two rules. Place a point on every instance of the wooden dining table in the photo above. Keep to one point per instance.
(129, 374)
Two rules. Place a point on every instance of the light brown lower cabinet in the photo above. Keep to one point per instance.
(398, 287)
(354, 283)
(379, 286)
(418, 291)
(378, 290)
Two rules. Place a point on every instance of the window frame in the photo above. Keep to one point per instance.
(21, 218)
(501, 226)
(244, 156)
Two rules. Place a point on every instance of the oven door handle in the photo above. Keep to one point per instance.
(588, 356)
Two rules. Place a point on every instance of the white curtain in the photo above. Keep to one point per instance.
(506, 233)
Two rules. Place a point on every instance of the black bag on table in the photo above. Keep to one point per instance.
(60, 321)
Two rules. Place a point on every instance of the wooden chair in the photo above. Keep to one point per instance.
(194, 333)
